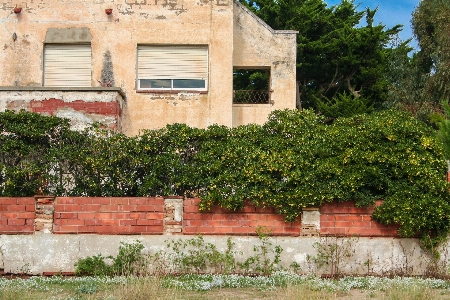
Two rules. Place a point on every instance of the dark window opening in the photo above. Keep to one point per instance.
(251, 86)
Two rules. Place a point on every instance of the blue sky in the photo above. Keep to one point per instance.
(390, 13)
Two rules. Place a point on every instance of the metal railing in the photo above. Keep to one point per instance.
(251, 97)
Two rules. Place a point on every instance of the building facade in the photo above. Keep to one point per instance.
(135, 65)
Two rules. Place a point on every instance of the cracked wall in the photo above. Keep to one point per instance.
(256, 45)
(117, 35)
(81, 107)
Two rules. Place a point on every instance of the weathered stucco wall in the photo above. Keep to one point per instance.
(43, 253)
(82, 106)
(256, 45)
(133, 23)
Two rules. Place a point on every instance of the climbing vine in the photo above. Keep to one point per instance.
(294, 160)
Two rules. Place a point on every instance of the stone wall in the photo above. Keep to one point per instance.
(82, 106)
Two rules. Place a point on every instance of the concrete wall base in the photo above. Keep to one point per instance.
(41, 253)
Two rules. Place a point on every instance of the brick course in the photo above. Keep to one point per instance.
(220, 221)
(344, 219)
(17, 215)
(108, 215)
(156, 215)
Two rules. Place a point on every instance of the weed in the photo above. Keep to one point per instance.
(92, 265)
(333, 252)
(24, 269)
(295, 267)
(261, 262)
(88, 288)
(129, 261)
(196, 256)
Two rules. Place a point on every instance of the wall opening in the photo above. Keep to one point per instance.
(251, 85)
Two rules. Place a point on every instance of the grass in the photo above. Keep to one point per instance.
(277, 286)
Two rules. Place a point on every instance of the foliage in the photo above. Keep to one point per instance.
(196, 256)
(345, 105)
(444, 132)
(431, 25)
(266, 258)
(338, 51)
(129, 261)
(333, 252)
(251, 79)
(406, 86)
(420, 84)
(92, 266)
(294, 160)
(90, 288)
(24, 138)
(280, 285)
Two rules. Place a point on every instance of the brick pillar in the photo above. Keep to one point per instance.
(310, 221)
(173, 215)
(43, 219)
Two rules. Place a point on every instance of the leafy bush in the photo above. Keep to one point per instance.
(294, 160)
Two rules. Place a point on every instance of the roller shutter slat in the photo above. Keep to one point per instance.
(67, 65)
(172, 62)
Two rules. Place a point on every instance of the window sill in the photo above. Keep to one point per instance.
(252, 104)
(171, 92)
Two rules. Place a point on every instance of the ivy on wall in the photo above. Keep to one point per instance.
(293, 161)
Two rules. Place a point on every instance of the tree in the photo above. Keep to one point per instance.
(406, 82)
(335, 53)
(431, 25)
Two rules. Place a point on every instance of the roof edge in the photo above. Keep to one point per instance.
(259, 20)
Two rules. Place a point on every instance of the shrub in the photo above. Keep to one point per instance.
(294, 160)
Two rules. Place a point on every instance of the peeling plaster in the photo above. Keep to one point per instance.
(220, 24)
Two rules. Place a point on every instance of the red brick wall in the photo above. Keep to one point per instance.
(344, 219)
(134, 215)
(219, 221)
(109, 215)
(17, 215)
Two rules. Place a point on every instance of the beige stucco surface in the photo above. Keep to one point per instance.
(256, 45)
(230, 32)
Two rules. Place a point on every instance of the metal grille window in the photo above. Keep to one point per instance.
(172, 68)
(67, 65)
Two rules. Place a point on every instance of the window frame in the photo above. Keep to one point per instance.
(203, 68)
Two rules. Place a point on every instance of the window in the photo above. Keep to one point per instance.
(67, 65)
(251, 86)
(172, 68)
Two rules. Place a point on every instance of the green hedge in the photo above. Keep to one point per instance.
(293, 161)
